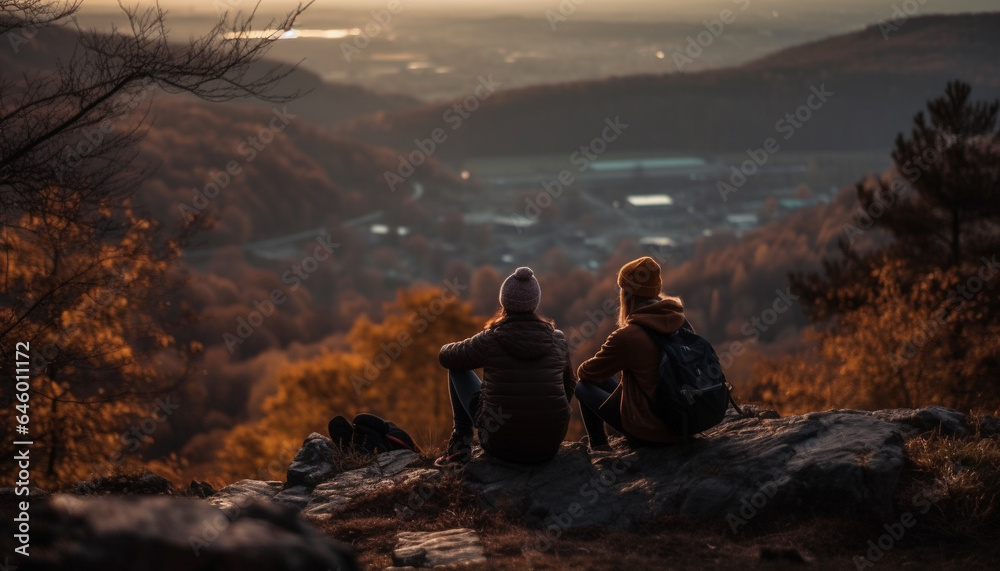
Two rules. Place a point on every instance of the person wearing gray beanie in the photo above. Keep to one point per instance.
(521, 405)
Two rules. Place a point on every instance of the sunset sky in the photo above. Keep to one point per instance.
(591, 8)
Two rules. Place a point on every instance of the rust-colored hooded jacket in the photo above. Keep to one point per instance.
(632, 351)
(528, 382)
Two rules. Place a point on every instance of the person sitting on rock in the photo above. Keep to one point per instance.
(369, 434)
(626, 406)
(521, 405)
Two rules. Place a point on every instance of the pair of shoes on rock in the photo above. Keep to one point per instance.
(369, 434)
(357, 438)
(458, 452)
(341, 432)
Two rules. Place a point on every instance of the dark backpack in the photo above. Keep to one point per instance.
(692, 394)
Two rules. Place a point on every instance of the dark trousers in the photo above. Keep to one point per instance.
(598, 409)
(464, 388)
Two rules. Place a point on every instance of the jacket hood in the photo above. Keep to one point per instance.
(526, 339)
(664, 316)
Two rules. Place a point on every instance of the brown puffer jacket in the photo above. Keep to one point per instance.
(528, 382)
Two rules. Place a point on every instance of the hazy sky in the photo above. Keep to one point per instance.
(663, 9)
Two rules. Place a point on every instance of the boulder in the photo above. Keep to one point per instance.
(295, 497)
(451, 547)
(933, 418)
(245, 491)
(313, 463)
(387, 470)
(841, 462)
(167, 533)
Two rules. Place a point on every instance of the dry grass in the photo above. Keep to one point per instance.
(350, 458)
(126, 481)
(955, 483)
(670, 543)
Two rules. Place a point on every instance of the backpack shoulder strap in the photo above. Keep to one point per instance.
(660, 340)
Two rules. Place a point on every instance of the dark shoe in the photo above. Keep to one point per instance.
(370, 441)
(458, 452)
(398, 438)
(341, 432)
(596, 445)
(391, 436)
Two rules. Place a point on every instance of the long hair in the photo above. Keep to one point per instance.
(629, 302)
(501, 316)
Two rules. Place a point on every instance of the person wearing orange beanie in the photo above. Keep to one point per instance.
(626, 405)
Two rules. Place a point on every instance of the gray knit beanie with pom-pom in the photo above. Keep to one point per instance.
(520, 292)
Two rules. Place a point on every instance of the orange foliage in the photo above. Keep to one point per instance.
(391, 370)
(908, 347)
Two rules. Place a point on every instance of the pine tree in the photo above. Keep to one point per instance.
(940, 204)
(916, 321)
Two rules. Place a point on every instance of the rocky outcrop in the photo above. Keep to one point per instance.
(313, 463)
(452, 547)
(387, 470)
(831, 462)
(244, 492)
(842, 462)
(166, 533)
(328, 497)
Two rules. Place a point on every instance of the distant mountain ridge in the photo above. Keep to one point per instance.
(320, 102)
(879, 80)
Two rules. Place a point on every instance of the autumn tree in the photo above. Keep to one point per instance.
(893, 352)
(485, 290)
(391, 370)
(86, 272)
(941, 203)
(915, 322)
